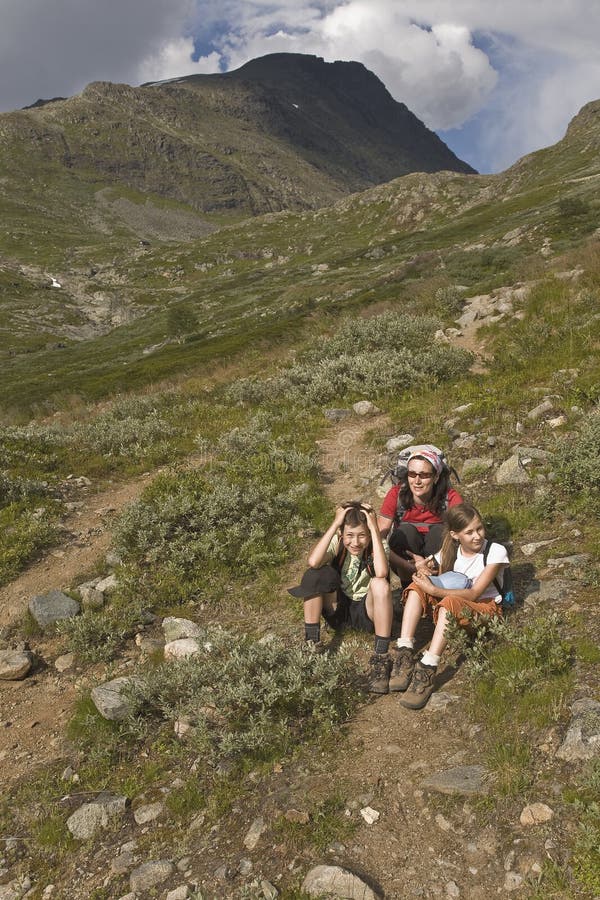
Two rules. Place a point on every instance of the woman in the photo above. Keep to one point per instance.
(412, 511)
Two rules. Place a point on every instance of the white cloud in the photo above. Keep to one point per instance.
(175, 59)
(515, 72)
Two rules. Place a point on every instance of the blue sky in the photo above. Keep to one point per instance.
(495, 81)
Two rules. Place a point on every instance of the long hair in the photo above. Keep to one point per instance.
(435, 504)
(455, 519)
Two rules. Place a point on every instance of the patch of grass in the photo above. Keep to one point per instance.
(520, 676)
(185, 801)
(327, 823)
(24, 535)
(586, 851)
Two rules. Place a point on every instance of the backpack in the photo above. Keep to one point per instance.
(398, 473)
(506, 589)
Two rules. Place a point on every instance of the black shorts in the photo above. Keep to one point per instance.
(350, 614)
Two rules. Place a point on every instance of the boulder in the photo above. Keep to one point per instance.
(52, 607)
(182, 649)
(174, 629)
(99, 814)
(469, 780)
(333, 881)
(399, 442)
(113, 698)
(512, 471)
(15, 664)
(150, 874)
(582, 740)
(365, 408)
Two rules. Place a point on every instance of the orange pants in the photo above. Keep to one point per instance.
(455, 603)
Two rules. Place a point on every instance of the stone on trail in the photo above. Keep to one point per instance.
(15, 664)
(535, 814)
(107, 585)
(333, 881)
(253, 836)
(470, 780)
(539, 411)
(175, 629)
(92, 817)
(582, 740)
(150, 874)
(113, 699)
(148, 812)
(370, 815)
(49, 608)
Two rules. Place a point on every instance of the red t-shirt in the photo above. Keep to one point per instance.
(417, 513)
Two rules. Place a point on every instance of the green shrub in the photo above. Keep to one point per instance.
(577, 462)
(96, 636)
(23, 535)
(377, 356)
(247, 699)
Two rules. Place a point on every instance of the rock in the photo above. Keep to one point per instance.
(113, 698)
(539, 411)
(183, 725)
(365, 408)
(64, 662)
(150, 874)
(476, 464)
(101, 813)
(336, 415)
(557, 421)
(336, 882)
(578, 560)
(179, 893)
(176, 629)
(149, 645)
(148, 812)
(491, 441)
(245, 867)
(399, 442)
(112, 559)
(464, 442)
(442, 823)
(535, 814)
(582, 740)
(513, 881)
(269, 890)
(531, 453)
(470, 780)
(91, 598)
(297, 815)
(440, 700)
(122, 863)
(52, 607)
(512, 471)
(452, 889)
(370, 815)
(253, 836)
(530, 549)
(182, 649)
(15, 664)
(108, 585)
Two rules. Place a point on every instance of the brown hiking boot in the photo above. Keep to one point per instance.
(379, 674)
(402, 668)
(421, 687)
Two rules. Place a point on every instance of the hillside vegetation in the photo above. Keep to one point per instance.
(208, 364)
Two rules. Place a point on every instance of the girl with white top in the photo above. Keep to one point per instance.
(462, 552)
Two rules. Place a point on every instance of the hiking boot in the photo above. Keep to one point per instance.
(379, 674)
(421, 687)
(402, 668)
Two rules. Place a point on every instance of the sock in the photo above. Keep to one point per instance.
(312, 632)
(406, 642)
(382, 644)
(430, 659)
